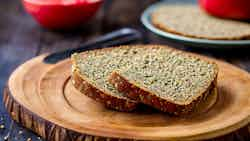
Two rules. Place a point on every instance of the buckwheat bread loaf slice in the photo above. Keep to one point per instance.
(168, 80)
(191, 21)
(89, 71)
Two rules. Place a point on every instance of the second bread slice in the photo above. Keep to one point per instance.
(169, 80)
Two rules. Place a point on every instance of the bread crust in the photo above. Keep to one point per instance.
(117, 103)
(112, 102)
(140, 95)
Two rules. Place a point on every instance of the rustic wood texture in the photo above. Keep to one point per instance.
(42, 98)
(21, 38)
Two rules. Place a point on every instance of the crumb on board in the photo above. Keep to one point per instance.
(1, 126)
(20, 132)
(29, 139)
(6, 138)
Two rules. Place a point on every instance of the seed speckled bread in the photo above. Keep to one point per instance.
(89, 71)
(168, 80)
(191, 21)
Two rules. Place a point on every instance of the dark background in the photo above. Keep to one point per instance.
(21, 38)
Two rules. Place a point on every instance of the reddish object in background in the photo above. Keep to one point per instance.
(234, 9)
(61, 14)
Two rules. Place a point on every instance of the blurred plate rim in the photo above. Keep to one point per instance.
(204, 43)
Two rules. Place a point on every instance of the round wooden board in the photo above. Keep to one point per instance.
(41, 97)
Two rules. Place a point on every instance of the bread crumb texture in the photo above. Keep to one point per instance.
(191, 21)
(165, 72)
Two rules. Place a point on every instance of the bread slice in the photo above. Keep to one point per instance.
(191, 21)
(89, 72)
(168, 80)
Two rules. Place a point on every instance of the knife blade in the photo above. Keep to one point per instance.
(119, 37)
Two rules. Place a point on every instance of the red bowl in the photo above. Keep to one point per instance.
(62, 14)
(233, 9)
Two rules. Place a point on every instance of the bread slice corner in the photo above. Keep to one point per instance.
(85, 86)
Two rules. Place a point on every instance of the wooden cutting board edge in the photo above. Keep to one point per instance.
(53, 132)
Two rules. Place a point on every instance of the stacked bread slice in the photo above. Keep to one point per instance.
(123, 77)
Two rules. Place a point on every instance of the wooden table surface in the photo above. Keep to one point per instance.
(21, 38)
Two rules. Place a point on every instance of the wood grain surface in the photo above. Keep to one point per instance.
(21, 38)
(41, 97)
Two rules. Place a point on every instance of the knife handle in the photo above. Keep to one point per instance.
(119, 37)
